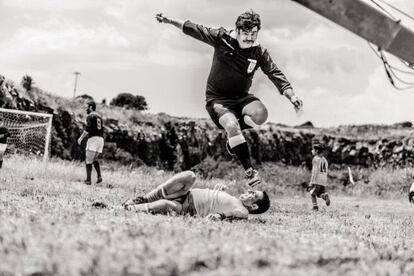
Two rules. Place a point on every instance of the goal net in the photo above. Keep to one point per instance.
(30, 132)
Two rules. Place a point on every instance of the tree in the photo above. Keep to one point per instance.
(27, 82)
(128, 100)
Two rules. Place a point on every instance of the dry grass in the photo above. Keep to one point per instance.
(47, 227)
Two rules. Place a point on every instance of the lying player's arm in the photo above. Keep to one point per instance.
(83, 135)
(163, 19)
(215, 217)
(234, 215)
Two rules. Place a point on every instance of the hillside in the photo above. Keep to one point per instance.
(135, 138)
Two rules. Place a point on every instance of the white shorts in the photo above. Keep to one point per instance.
(95, 143)
(3, 147)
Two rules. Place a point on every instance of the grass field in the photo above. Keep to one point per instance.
(48, 227)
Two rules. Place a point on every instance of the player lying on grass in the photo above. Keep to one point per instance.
(178, 195)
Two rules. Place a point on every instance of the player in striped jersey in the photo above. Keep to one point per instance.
(95, 143)
(319, 176)
(178, 195)
(237, 56)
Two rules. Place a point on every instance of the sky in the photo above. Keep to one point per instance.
(118, 46)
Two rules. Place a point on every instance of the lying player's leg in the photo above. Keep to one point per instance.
(175, 187)
(162, 206)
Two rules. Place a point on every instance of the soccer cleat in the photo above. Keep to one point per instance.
(99, 205)
(315, 208)
(229, 149)
(87, 182)
(327, 199)
(133, 201)
(99, 180)
(140, 200)
(252, 177)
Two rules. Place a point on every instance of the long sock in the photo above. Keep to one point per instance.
(242, 152)
(97, 168)
(239, 146)
(140, 208)
(88, 172)
(314, 201)
(155, 194)
(1, 163)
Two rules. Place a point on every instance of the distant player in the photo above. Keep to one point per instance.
(319, 176)
(178, 195)
(237, 56)
(4, 134)
(95, 143)
(411, 193)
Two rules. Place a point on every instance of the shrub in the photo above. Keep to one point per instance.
(130, 101)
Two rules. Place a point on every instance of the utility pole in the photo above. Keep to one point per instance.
(76, 83)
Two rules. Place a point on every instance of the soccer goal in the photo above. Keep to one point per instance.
(30, 132)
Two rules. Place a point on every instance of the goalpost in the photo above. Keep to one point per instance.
(30, 132)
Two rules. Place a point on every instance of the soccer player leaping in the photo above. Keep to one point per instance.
(237, 56)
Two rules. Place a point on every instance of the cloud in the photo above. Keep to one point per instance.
(47, 5)
(118, 46)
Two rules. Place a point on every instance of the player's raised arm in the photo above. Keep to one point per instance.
(197, 31)
(279, 80)
(164, 19)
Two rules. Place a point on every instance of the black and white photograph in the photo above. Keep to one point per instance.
(206, 137)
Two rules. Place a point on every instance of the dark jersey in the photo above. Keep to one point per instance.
(232, 70)
(4, 134)
(94, 124)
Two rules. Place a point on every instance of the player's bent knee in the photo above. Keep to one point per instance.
(232, 128)
(190, 176)
(259, 117)
(252, 123)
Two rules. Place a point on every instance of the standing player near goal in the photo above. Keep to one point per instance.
(4, 134)
(95, 143)
(236, 57)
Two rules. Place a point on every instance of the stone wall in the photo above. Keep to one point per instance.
(179, 144)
